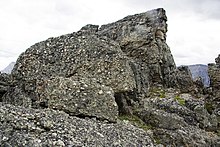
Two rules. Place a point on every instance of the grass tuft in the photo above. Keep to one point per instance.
(180, 100)
(136, 121)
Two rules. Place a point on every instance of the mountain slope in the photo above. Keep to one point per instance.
(9, 68)
(200, 70)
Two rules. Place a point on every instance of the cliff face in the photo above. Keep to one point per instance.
(213, 100)
(101, 77)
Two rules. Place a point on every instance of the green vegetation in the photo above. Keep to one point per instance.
(180, 100)
(209, 107)
(162, 94)
(157, 140)
(136, 121)
(157, 92)
(218, 133)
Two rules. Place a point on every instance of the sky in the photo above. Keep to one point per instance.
(193, 25)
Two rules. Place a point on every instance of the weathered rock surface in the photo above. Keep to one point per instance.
(76, 54)
(4, 84)
(80, 54)
(69, 90)
(142, 38)
(21, 126)
(213, 98)
(78, 96)
(130, 56)
(179, 119)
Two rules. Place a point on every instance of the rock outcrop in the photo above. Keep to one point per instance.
(4, 84)
(116, 85)
(213, 98)
(21, 126)
(173, 114)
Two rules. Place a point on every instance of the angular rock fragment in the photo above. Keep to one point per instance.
(80, 97)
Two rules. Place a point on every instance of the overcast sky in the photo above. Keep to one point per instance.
(193, 25)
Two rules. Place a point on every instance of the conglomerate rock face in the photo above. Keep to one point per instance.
(21, 126)
(75, 89)
(142, 38)
(213, 100)
(78, 97)
(4, 84)
(129, 56)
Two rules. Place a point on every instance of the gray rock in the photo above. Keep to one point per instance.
(188, 136)
(217, 60)
(78, 96)
(213, 98)
(178, 119)
(21, 126)
(76, 54)
(142, 38)
(4, 84)
(81, 54)
(182, 79)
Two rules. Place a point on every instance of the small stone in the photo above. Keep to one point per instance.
(54, 134)
(59, 143)
(100, 92)
(5, 138)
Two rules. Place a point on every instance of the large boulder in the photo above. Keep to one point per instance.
(130, 56)
(76, 54)
(80, 54)
(142, 37)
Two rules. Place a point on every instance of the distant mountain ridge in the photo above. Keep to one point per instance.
(9, 68)
(200, 70)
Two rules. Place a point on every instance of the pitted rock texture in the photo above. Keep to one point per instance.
(178, 119)
(213, 99)
(129, 56)
(80, 54)
(79, 97)
(142, 38)
(4, 84)
(76, 54)
(21, 126)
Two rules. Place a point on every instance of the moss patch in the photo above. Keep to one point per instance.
(162, 94)
(180, 100)
(157, 92)
(209, 107)
(136, 121)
